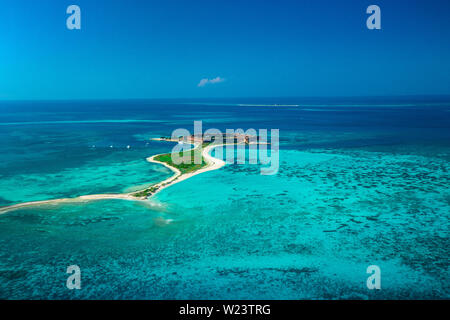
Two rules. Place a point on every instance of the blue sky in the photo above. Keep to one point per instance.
(250, 48)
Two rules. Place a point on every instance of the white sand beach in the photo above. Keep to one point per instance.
(211, 164)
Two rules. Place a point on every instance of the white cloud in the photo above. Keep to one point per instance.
(206, 81)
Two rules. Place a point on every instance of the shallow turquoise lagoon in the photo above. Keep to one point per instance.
(345, 197)
(112, 175)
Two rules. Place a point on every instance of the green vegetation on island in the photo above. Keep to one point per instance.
(187, 166)
(145, 193)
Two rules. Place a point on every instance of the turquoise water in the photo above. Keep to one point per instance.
(363, 185)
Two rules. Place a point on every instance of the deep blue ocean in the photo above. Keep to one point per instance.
(362, 181)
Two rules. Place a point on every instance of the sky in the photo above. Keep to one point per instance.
(136, 49)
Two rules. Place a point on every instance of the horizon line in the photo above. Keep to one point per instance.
(231, 98)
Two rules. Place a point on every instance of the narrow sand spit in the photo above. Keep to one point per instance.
(211, 164)
(86, 198)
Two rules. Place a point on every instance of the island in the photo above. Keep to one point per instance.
(200, 144)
